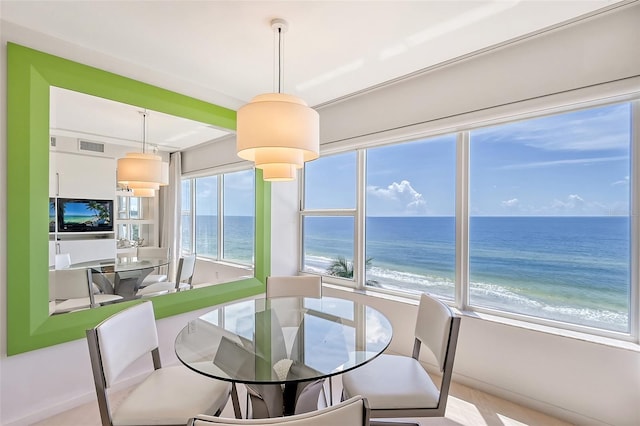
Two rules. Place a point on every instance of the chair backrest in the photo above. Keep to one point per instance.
(153, 252)
(62, 260)
(434, 326)
(186, 268)
(307, 286)
(71, 283)
(353, 411)
(121, 339)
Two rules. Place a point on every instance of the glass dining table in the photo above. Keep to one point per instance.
(121, 275)
(279, 348)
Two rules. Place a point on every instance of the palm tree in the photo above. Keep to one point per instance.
(341, 267)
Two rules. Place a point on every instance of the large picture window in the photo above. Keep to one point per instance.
(218, 216)
(544, 229)
(410, 216)
(550, 223)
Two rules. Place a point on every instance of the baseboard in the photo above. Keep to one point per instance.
(526, 401)
(72, 403)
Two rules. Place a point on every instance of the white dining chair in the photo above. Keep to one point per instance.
(304, 286)
(62, 260)
(184, 276)
(297, 285)
(398, 386)
(352, 412)
(167, 396)
(72, 290)
(150, 253)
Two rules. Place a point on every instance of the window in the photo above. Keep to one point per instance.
(218, 216)
(328, 223)
(547, 204)
(410, 220)
(550, 222)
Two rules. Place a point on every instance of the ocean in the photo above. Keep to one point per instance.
(570, 269)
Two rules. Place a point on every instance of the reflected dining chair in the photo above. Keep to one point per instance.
(352, 412)
(305, 286)
(72, 290)
(153, 252)
(167, 396)
(62, 260)
(184, 276)
(398, 386)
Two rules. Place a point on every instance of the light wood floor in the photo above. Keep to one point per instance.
(466, 406)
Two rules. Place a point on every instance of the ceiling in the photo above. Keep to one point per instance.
(223, 51)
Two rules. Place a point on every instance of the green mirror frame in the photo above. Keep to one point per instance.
(30, 74)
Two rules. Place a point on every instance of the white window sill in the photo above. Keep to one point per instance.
(592, 338)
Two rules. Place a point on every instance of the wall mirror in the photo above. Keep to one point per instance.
(89, 228)
(30, 75)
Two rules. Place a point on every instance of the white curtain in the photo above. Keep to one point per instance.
(170, 212)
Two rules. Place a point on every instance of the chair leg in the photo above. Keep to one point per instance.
(235, 401)
(328, 400)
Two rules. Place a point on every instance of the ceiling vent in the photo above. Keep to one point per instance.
(91, 146)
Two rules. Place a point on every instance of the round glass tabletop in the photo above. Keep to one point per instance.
(283, 340)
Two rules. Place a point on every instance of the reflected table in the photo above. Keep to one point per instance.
(281, 346)
(128, 273)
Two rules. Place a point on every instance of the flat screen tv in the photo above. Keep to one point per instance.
(81, 215)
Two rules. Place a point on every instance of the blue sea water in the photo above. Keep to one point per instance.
(573, 269)
(238, 241)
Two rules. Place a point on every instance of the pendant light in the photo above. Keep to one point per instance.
(278, 132)
(141, 171)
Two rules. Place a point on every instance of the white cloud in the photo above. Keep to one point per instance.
(539, 164)
(606, 128)
(624, 181)
(400, 193)
(573, 202)
(510, 203)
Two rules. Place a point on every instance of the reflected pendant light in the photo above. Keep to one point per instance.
(278, 132)
(141, 171)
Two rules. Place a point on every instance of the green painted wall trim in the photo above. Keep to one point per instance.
(30, 74)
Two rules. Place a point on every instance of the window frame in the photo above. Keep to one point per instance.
(462, 215)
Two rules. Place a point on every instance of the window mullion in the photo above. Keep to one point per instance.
(220, 217)
(192, 196)
(462, 221)
(634, 302)
(360, 221)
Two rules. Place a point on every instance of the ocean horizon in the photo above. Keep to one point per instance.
(571, 269)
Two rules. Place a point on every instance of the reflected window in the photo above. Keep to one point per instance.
(186, 223)
(206, 218)
(239, 216)
(218, 217)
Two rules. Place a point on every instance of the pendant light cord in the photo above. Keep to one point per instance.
(280, 77)
(144, 131)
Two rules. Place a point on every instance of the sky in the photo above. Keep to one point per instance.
(238, 192)
(571, 164)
